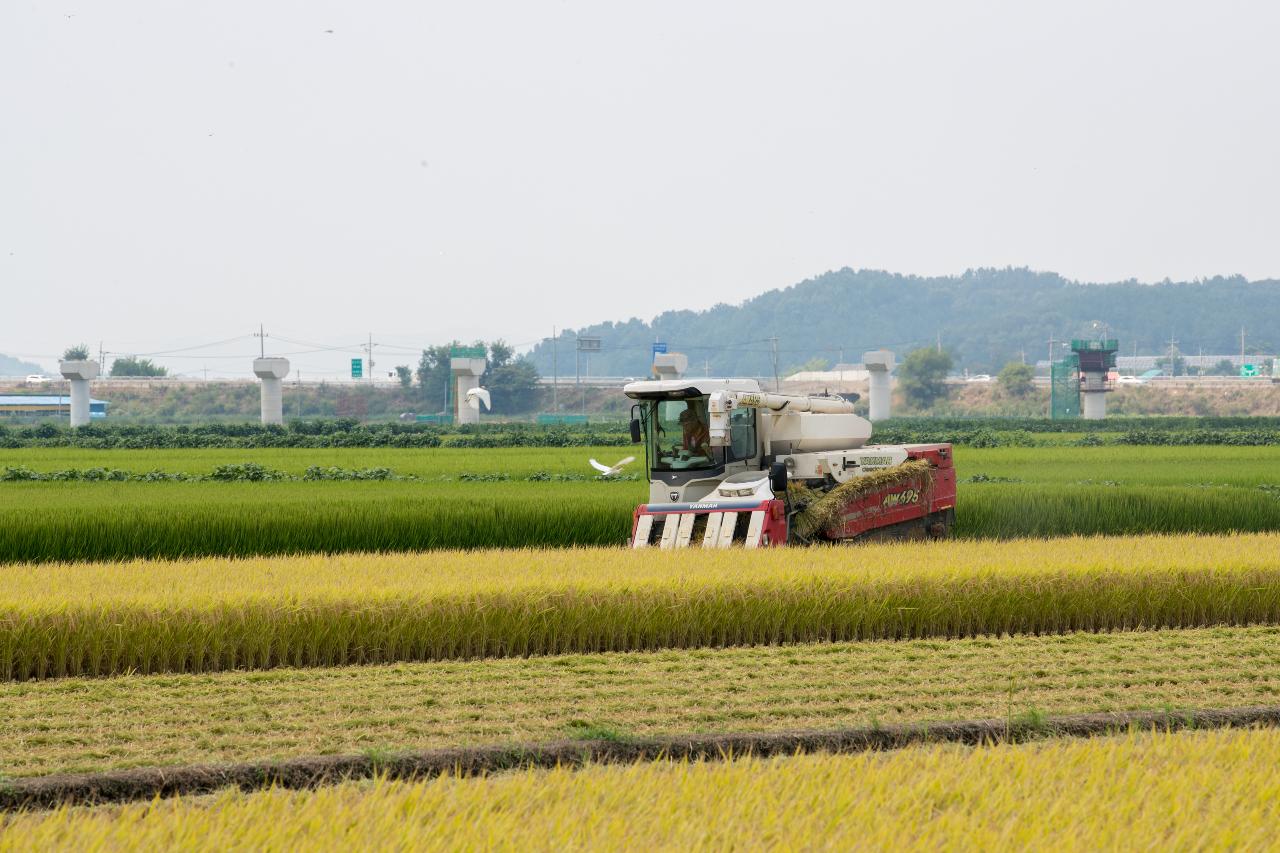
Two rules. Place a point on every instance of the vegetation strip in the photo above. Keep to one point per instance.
(148, 783)
(201, 616)
(348, 433)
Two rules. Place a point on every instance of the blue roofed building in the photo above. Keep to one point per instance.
(38, 405)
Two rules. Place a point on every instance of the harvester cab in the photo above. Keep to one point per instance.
(730, 464)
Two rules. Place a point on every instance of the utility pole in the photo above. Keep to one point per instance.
(1173, 347)
(1052, 341)
(369, 348)
(939, 340)
(102, 359)
(555, 374)
(577, 370)
(1023, 353)
(777, 385)
(262, 341)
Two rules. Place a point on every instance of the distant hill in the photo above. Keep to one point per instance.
(985, 317)
(10, 366)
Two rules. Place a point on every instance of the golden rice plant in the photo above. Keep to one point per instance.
(1186, 791)
(217, 614)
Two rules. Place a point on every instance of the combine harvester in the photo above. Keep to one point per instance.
(730, 464)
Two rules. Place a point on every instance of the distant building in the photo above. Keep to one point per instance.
(45, 405)
(839, 373)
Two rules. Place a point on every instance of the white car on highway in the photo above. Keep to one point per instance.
(37, 379)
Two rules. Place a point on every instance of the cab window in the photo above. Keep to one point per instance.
(679, 439)
(742, 434)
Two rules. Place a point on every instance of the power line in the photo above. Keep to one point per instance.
(190, 348)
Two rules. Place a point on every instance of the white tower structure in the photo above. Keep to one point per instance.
(79, 373)
(879, 364)
(272, 371)
(1096, 360)
(467, 370)
(670, 365)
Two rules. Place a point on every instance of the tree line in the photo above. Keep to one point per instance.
(985, 318)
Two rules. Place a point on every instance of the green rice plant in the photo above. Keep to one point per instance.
(1016, 510)
(207, 615)
(108, 521)
(549, 497)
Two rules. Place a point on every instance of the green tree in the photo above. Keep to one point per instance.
(131, 366)
(1175, 366)
(434, 376)
(813, 365)
(1016, 379)
(512, 382)
(1224, 367)
(405, 375)
(922, 376)
(79, 352)
(500, 354)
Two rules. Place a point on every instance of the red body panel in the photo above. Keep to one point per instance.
(900, 504)
(903, 503)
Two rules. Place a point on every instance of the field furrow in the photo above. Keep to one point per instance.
(1189, 790)
(88, 725)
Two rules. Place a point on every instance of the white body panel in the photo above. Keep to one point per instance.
(843, 465)
(815, 436)
(806, 433)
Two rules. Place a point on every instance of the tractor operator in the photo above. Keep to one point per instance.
(697, 438)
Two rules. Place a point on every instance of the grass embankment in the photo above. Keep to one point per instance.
(93, 724)
(207, 615)
(1188, 790)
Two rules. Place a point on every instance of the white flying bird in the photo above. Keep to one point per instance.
(476, 396)
(606, 471)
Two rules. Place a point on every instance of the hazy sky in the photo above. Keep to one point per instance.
(174, 173)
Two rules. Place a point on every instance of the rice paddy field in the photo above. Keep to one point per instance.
(476, 600)
(511, 497)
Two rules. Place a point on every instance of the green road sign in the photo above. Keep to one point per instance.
(357, 368)
(1250, 370)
